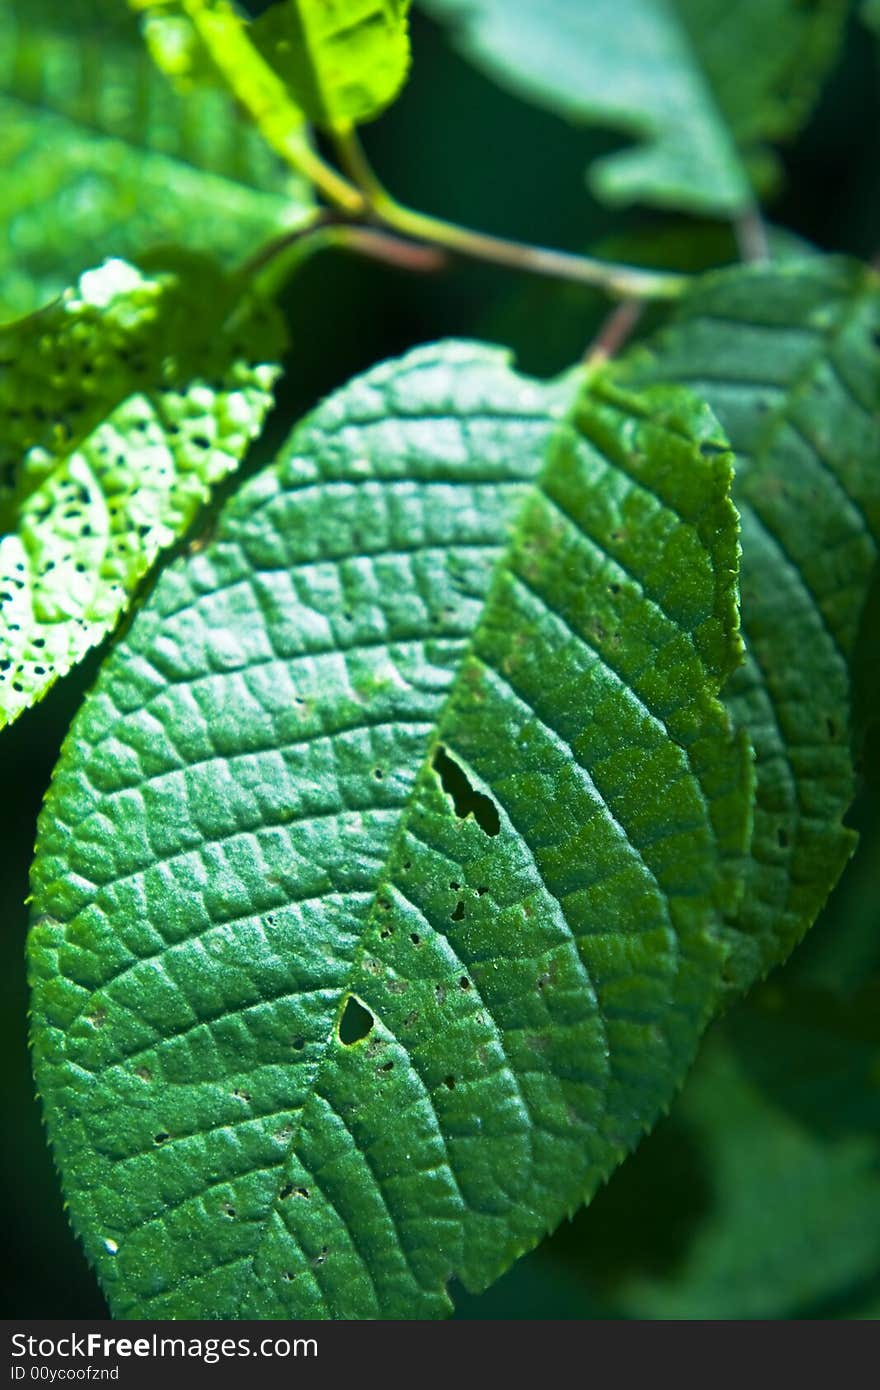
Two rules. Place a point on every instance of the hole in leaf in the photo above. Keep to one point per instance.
(385, 1066)
(458, 914)
(464, 982)
(298, 1044)
(466, 800)
(356, 1022)
(450, 1082)
(161, 1138)
(415, 938)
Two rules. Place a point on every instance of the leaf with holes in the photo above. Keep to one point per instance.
(379, 892)
(101, 157)
(703, 85)
(122, 404)
(788, 359)
(345, 62)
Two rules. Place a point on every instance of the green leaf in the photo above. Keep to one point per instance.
(101, 157)
(701, 85)
(302, 61)
(788, 359)
(379, 890)
(345, 62)
(870, 13)
(121, 405)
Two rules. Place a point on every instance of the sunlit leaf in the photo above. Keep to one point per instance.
(120, 406)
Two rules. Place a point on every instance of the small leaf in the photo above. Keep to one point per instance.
(379, 892)
(788, 358)
(702, 85)
(870, 13)
(122, 405)
(344, 62)
(101, 157)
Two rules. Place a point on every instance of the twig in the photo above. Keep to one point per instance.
(622, 281)
(614, 332)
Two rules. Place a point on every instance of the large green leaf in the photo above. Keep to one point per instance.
(379, 892)
(102, 157)
(702, 85)
(120, 406)
(788, 359)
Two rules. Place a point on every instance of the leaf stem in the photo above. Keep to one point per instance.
(620, 281)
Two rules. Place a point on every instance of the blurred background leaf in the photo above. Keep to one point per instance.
(102, 157)
(703, 86)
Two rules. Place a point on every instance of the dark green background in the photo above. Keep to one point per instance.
(457, 146)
